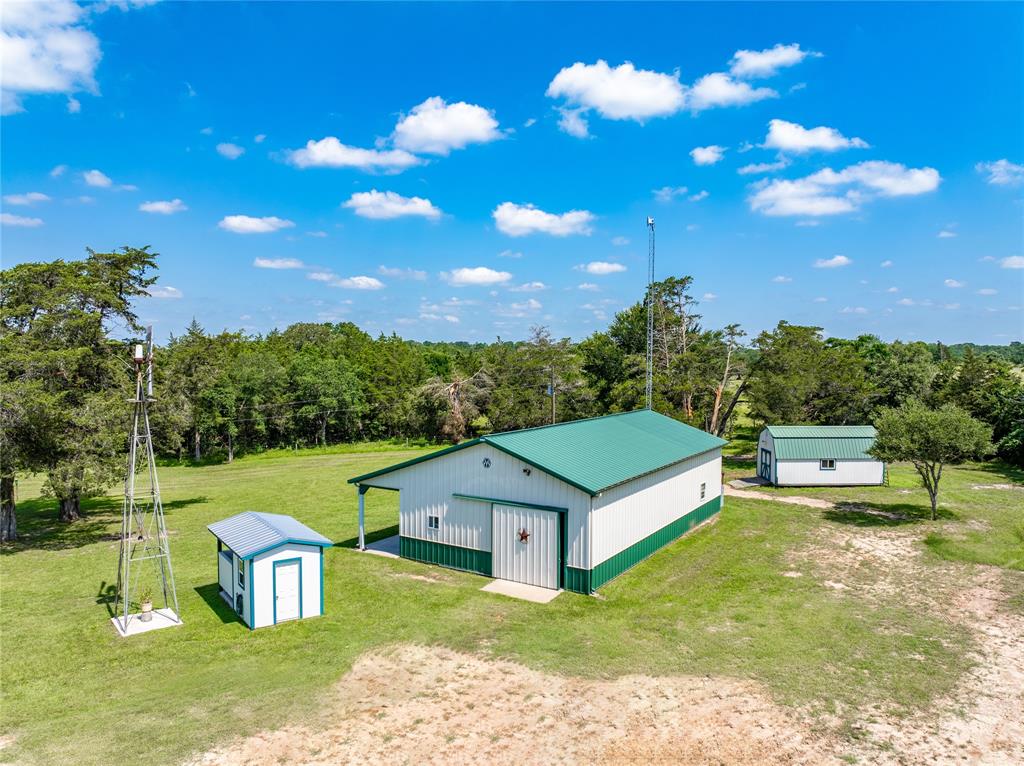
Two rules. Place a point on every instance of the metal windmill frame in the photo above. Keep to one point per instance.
(143, 530)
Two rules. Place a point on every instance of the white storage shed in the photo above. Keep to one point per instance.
(270, 567)
(565, 506)
(812, 456)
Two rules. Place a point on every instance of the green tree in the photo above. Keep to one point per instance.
(930, 439)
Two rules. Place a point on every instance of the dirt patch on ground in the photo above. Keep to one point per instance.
(431, 705)
(811, 502)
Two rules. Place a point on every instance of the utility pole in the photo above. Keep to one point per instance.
(649, 387)
(551, 390)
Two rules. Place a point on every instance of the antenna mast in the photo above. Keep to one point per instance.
(144, 566)
(649, 388)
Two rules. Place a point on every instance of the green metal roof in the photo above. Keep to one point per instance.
(816, 442)
(593, 454)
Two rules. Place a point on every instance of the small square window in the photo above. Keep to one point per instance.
(703, 490)
(828, 464)
(433, 522)
(241, 573)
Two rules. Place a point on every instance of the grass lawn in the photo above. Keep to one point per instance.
(715, 602)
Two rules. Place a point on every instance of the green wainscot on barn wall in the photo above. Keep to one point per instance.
(451, 556)
(587, 581)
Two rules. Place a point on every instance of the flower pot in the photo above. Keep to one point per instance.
(147, 611)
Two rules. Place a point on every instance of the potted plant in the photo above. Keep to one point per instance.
(146, 604)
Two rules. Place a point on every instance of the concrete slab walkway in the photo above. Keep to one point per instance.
(162, 618)
(521, 591)
(387, 547)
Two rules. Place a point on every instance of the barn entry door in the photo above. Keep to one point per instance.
(524, 545)
(765, 471)
(287, 590)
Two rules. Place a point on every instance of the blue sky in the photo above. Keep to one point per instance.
(466, 171)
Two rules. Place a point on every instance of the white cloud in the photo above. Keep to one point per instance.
(1002, 172)
(905, 302)
(892, 290)
(26, 199)
(987, 291)
(321, 276)
(1012, 262)
(954, 283)
(530, 122)
(231, 151)
(451, 318)
(436, 127)
(164, 207)
(380, 206)
(763, 167)
(620, 241)
(45, 49)
(520, 220)
(245, 224)
(510, 254)
(828, 192)
(396, 273)
(834, 262)
(19, 220)
(357, 283)
(601, 268)
(97, 178)
(618, 93)
(589, 286)
(854, 310)
(946, 234)
(669, 193)
(769, 61)
(821, 300)
(791, 137)
(74, 105)
(702, 194)
(709, 297)
(782, 279)
(707, 155)
(259, 138)
(719, 89)
(886, 264)
(531, 304)
(317, 234)
(574, 122)
(329, 152)
(165, 291)
(529, 287)
(475, 276)
(278, 263)
(206, 131)
(58, 171)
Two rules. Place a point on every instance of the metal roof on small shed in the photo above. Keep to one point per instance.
(596, 453)
(817, 442)
(252, 532)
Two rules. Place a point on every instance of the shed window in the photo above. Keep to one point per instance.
(828, 464)
(433, 522)
(241, 573)
(703, 490)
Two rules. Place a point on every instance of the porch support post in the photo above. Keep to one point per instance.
(362, 517)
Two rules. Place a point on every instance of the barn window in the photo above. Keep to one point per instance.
(241, 573)
(433, 522)
(703, 490)
(828, 464)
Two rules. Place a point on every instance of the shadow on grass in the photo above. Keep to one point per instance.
(883, 515)
(1003, 470)
(371, 537)
(39, 528)
(211, 595)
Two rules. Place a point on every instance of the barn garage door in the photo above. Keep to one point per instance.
(524, 545)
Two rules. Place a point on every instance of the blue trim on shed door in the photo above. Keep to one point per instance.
(321, 582)
(274, 573)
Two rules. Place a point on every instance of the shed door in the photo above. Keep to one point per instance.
(524, 545)
(286, 590)
(765, 471)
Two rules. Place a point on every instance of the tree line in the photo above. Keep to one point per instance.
(65, 327)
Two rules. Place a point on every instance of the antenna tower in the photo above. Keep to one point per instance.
(649, 388)
(145, 559)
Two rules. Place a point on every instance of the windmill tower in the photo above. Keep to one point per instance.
(649, 388)
(144, 567)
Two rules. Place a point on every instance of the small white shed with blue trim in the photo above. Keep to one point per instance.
(270, 567)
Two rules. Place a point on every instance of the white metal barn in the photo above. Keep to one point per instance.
(810, 456)
(270, 567)
(562, 506)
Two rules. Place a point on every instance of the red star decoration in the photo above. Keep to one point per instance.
(524, 536)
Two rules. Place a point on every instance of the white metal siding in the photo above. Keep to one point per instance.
(262, 574)
(225, 569)
(628, 513)
(533, 561)
(808, 473)
(427, 488)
